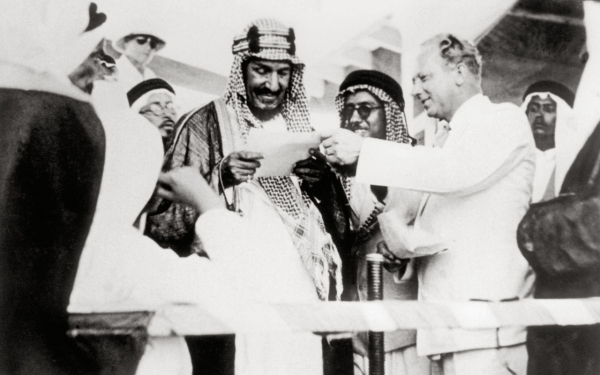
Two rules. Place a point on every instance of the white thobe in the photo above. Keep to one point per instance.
(545, 168)
(250, 262)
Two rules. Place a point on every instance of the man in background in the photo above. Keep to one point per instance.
(137, 49)
(154, 99)
(548, 106)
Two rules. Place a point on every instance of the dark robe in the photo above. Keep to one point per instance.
(51, 160)
(560, 239)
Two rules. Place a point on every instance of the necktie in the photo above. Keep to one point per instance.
(440, 139)
(441, 136)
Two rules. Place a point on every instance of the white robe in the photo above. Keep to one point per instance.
(120, 269)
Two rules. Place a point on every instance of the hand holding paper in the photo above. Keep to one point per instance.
(311, 170)
(342, 147)
(239, 166)
(281, 151)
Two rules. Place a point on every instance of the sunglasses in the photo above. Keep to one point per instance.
(363, 111)
(143, 39)
(157, 109)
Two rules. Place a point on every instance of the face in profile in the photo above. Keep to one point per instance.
(434, 84)
(266, 84)
(140, 48)
(160, 111)
(364, 114)
(542, 116)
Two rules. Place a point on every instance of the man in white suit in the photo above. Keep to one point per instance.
(478, 187)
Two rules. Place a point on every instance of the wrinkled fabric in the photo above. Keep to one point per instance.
(48, 192)
(561, 241)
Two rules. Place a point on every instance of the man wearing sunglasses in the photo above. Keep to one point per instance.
(154, 99)
(137, 51)
(371, 105)
(477, 188)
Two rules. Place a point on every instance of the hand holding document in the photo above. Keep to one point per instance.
(280, 150)
(407, 241)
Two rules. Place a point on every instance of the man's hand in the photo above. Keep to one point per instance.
(391, 263)
(311, 170)
(186, 185)
(239, 167)
(342, 148)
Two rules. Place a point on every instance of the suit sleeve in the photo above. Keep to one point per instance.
(487, 152)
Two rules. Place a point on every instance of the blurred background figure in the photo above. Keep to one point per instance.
(137, 49)
(549, 108)
(97, 67)
(154, 99)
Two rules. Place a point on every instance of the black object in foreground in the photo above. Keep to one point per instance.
(375, 293)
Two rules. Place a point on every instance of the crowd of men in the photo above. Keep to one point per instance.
(110, 199)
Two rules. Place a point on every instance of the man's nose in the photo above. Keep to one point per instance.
(355, 118)
(273, 82)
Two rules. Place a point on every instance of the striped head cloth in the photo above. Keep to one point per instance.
(269, 39)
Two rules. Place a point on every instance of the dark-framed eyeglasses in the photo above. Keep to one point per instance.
(158, 109)
(364, 111)
(143, 39)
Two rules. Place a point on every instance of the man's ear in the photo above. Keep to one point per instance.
(460, 74)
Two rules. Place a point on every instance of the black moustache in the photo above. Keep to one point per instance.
(353, 126)
(267, 92)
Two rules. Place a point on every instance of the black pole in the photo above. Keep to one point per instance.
(375, 293)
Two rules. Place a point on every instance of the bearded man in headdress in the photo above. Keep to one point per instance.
(265, 91)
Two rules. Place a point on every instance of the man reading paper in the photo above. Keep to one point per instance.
(478, 186)
(265, 91)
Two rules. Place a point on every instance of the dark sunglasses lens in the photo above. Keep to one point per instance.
(153, 43)
(364, 112)
(347, 113)
(141, 40)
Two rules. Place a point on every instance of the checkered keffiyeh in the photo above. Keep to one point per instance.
(395, 120)
(302, 218)
(395, 131)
